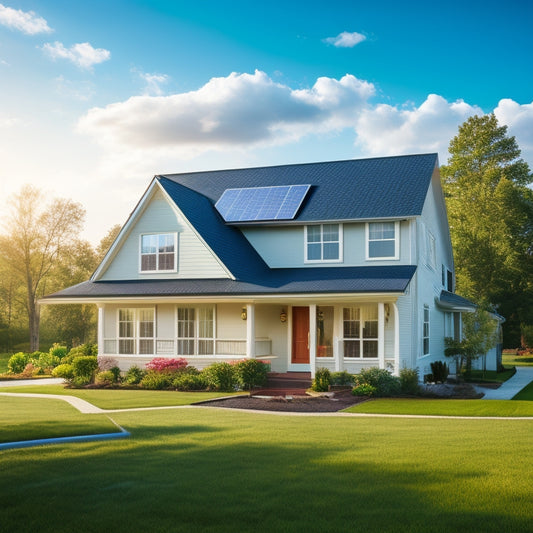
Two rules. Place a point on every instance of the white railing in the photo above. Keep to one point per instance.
(229, 347)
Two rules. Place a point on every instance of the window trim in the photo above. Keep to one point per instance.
(340, 242)
(136, 338)
(364, 317)
(156, 270)
(424, 336)
(197, 339)
(396, 255)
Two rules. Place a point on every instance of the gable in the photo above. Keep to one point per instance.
(156, 215)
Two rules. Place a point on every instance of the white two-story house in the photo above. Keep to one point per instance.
(344, 265)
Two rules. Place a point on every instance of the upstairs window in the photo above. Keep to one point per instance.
(425, 331)
(158, 252)
(323, 242)
(382, 240)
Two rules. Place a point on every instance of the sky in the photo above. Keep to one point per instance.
(98, 97)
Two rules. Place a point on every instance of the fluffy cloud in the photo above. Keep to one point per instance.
(519, 119)
(153, 83)
(346, 39)
(25, 21)
(82, 55)
(238, 110)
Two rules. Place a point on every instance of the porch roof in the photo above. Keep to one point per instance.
(349, 280)
(454, 302)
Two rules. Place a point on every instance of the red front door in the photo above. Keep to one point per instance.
(300, 335)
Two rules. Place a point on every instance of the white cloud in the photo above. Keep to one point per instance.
(519, 120)
(153, 83)
(25, 21)
(346, 39)
(82, 55)
(238, 110)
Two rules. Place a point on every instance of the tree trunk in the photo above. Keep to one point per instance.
(34, 320)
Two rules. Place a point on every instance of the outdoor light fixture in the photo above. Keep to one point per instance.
(283, 316)
(244, 314)
(387, 312)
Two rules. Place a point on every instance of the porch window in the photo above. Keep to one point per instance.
(323, 243)
(136, 331)
(324, 333)
(382, 240)
(158, 252)
(425, 331)
(196, 331)
(360, 332)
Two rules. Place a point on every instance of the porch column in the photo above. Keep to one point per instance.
(381, 334)
(312, 339)
(396, 340)
(100, 334)
(250, 331)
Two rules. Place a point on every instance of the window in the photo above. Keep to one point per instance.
(360, 331)
(324, 327)
(196, 330)
(323, 242)
(425, 331)
(158, 252)
(382, 240)
(136, 331)
(431, 259)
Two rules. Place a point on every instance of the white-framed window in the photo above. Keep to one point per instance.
(323, 243)
(360, 332)
(382, 240)
(431, 252)
(136, 331)
(158, 252)
(196, 330)
(425, 331)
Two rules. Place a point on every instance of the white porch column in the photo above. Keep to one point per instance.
(250, 331)
(396, 340)
(312, 339)
(381, 334)
(100, 334)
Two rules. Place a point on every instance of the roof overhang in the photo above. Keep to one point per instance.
(453, 302)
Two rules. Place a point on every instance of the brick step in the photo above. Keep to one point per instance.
(289, 381)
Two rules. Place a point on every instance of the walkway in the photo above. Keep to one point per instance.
(508, 389)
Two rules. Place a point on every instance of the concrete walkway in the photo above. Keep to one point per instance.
(25, 382)
(523, 376)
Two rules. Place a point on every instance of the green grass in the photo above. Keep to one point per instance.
(29, 419)
(226, 471)
(516, 360)
(415, 406)
(525, 394)
(490, 376)
(121, 398)
(4, 358)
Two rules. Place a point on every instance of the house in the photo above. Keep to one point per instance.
(344, 265)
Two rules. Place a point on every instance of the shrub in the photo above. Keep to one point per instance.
(106, 363)
(134, 375)
(364, 389)
(106, 377)
(30, 370)
(157, 380)
(17, 363)
(190, 381)
(83, 349)
(84, 367)
(409, 381)
(440, 371)
(64, 371)
(251, 373)
(322, 380)
(342, 378)
(221, 377)
(47, 361)
(385, 383)
(58, 351)
(163, 364)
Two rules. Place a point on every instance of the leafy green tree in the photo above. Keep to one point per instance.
(490, 210)
(35, 234)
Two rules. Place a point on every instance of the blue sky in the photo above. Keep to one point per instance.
(97, 97)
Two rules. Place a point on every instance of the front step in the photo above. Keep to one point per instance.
(289, 381)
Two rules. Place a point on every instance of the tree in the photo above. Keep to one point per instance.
(490, 210)
(107, 241)
(35, 236)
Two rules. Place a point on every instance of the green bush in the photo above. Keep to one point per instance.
(364, 389)
(322, 380)
(251, 373)
(439, 371)
(83, 349)
(134, 375)
(64, 371)
(342, 378)
(47, 361)
(409, 381)
(385, 383)
(190, 381)
(221, 377)
(58, 350)
(17, 362)
(84, 367)
(158, 380)
(106, 378)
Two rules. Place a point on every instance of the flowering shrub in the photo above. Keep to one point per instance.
(162, 364)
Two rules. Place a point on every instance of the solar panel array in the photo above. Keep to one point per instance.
(261, 203)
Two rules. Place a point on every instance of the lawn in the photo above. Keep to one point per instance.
(516, 360)
(208, 470)
(490, 376)
(4, 358)
(525, 394)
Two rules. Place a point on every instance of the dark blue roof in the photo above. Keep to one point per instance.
(378, 279)
(451, 300)
(340, 190)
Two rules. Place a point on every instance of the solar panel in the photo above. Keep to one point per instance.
(261, 203)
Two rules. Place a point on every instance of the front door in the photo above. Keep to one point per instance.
(300, 336)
